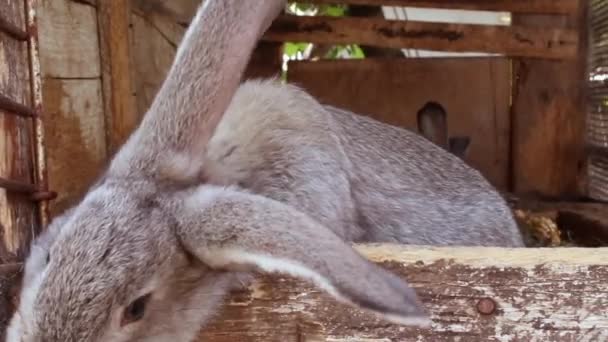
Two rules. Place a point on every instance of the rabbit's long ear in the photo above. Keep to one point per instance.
(204, 76)
(235, 231)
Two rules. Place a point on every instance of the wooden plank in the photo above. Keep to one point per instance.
(549, 119)
(17, 213)
(119, 100)
(147, 40)
(516, 6)
(541, 295)
(68, 39)
(474, 91)
(512, 41)
(75, 132)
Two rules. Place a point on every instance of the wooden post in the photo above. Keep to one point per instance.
(549, 116)
(119, 100)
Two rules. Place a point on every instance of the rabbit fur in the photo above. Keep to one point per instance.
(197, 200)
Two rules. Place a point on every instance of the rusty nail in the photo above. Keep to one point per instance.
(486, 306)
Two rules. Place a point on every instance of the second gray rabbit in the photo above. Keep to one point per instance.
(366, 180)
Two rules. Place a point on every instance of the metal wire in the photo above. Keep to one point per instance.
(597, 117)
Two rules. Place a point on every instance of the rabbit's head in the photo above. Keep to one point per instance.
(125, 267)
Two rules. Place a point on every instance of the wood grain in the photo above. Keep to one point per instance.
(475, 92)
(549, 119)
(69, 44)
(114, 18)
(511, 41)
(541, 295)
(153, 45)
(17, 213)
(76, 141)
(516, 6)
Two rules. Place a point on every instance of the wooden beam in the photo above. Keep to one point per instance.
(516, 6)
(121, 115)
(511, 41)
(540, 295)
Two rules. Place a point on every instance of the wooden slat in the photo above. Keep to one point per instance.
(76, 141)
(156, 36)
(516, 6)
(119, 100)
(511, 41)
(541, 295)
(549, 114)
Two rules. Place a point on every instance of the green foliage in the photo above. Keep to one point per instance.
(352, 51)
(299, 8)
(291, 49)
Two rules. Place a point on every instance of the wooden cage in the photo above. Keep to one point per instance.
(534, 116)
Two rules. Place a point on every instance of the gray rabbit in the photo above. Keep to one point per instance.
(222, 179)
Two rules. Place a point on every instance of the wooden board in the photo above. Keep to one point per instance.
(76, 141)
(152, 53)
(512, 41)
(69, 44)
(17, 213)
(474, 91)
(517, 6)
(114, 18)
(72, 95)
(540, 295)
(549, 119)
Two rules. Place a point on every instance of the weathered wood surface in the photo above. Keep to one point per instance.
(114, 18)
(72, 94)
(69, 44)
(154, 40)
(17, 212)
(512, 41)
(475, 92)
(76, 140)
(541, 295)
(549, 113)
(516, 6)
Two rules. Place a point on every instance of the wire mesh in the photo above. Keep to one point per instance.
(597, 119)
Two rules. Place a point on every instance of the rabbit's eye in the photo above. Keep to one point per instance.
(136, 310)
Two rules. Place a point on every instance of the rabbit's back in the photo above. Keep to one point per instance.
(408, 189)
(366, 180)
